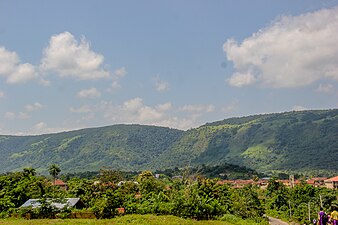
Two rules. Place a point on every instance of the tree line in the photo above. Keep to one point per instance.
(187, 196)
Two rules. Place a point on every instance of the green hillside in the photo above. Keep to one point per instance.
(305, 141)
(286, 142)
(123, 147)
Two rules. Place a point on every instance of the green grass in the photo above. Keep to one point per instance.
(127, 219)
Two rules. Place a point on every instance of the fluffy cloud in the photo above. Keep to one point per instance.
(240, 79)
(294, 51)
(198, 108)
(161, 85)
(119, 73)
(40, 126)
(20, 115)
(33, 107)
(70, 58)
(325, 88)
(25, 114)
(89, 93)
(2, 94)
(13, 70)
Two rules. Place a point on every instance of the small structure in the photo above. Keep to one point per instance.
(56, 203)
(242, 183)
(332, 182)
(60, 184)
(317, 181)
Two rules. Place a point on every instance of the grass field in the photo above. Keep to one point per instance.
(127, 219)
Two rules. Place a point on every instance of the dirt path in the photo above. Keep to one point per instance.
(275, 221)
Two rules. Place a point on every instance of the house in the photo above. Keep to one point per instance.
(242, 183)
(317, 181)
(60, 184)
(289, 183)
(332, 182)
(59, 204)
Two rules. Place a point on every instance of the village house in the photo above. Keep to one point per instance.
(317, 181)
(60, 183)
(67, 202)
(332, 182)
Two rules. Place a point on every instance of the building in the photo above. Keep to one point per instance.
(317, 181)
(56, 203)
(60, 184)
(332, 182)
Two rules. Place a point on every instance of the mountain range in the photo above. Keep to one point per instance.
(289, 142)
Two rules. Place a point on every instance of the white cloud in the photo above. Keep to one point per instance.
(161, 85)
(33, 107)
(25, 114)
(44, 82)
(299, 108)
(81, 109)
(40, 126)
(20, 115)
(198, 108)
(2, 94)
(325, 88)
(119, 73)
(294, 51)
(70, 58)
(10, 115)
(135, 111)
(89, 93)
(13, 70)
(240, 79)
(164, 107)
(133, 105)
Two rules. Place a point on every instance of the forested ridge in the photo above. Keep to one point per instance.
(292, 142)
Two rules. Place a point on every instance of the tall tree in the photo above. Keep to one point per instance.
(54, 170)
(29, 171)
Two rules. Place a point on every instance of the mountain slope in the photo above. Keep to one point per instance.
(305, 141)
(124, 147)
(292, 141)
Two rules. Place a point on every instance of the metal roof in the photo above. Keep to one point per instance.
(59, 204)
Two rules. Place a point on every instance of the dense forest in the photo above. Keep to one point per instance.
(290, 142)
(110, 193)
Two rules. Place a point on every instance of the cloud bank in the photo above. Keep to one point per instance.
(294, 51)
(135, 111)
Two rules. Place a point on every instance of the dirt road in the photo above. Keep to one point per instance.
(275, 221)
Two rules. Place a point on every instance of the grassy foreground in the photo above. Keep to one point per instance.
(127, 219)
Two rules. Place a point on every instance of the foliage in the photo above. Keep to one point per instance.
(193, 197)
(54, 170)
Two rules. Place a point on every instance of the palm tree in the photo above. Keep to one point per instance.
(54, 170)
(29, 171)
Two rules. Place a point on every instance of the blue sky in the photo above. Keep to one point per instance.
(67, 65)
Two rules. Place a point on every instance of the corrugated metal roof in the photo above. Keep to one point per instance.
(69, 202)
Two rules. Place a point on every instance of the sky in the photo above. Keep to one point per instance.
(67, 65)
